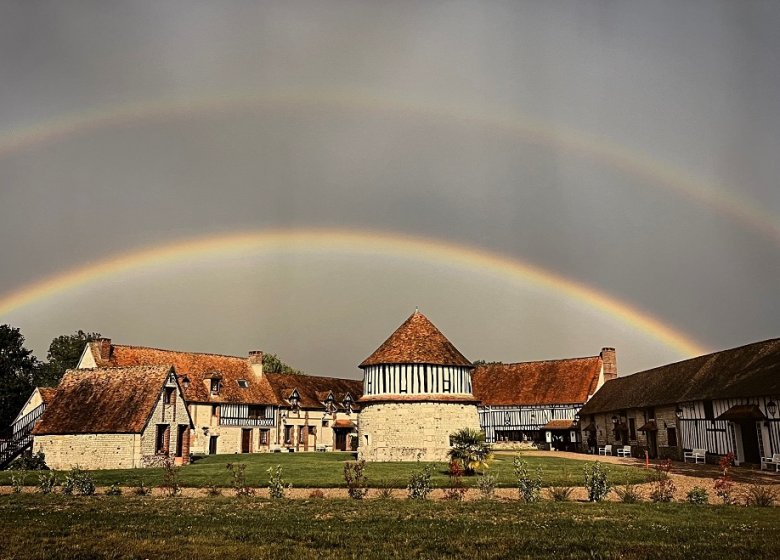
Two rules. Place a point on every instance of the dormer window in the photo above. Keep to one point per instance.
(185, 382)
(347, 402)
(294, 399)
(330, 406)
(243, 383)
(216, 385)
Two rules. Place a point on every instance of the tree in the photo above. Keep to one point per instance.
(17, 371)
(470, 450)
(64, 353)
(272, 364)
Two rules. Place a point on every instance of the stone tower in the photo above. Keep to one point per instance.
(416, 393)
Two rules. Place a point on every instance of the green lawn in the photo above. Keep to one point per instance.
(325, 470)
(37, 526)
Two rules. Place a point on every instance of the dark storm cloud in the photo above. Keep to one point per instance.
(693, 86)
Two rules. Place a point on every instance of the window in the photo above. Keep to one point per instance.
(671, 437)
(288, 434)
(161, 438)
(243, 383)
(215, 386)
(632, 429)
(301, 433)
(708, 412)
(312, 430)
(168, 395)
(254, 411)
(263, 437)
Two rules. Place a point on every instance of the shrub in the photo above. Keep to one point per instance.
(469, 448)
(316, 494)
(114, 490)
(46, 482)
(528, 487)
(29, 462)
(170, 484)
(78, 481)
(276, 485)
(355, 477)
(420, 484)
(560, 493)
(386, 493)
(18, 480)
(456, 490)
(724, 488)
(663, 486)
(697, 495)
(238, 475)
(760, 496)
(597, 481)
(213, 490)
(487, 485)
(142, 490)
(628, 493)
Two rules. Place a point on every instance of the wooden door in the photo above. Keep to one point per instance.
(213, 445)
(246, 441)
(180, 440)
(750, 442)
(341, 440)
(652, 444)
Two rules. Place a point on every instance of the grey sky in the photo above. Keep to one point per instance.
(694, 87)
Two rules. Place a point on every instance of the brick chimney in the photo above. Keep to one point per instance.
(256, 361)
(104, 348)
(609, 361)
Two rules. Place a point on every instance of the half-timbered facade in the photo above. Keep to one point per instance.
(115, 418)
(538, 402)
(724, 402)
(417, 393)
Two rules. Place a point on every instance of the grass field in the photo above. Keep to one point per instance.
(325, 470)
(55, 526)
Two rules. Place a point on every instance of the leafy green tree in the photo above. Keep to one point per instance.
(470, 450)
(17, 369)
(272, 364)
(64, 353)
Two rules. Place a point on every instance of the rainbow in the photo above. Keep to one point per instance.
(641, 166)
(354, 242)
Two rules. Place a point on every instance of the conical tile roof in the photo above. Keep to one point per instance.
(417, 341)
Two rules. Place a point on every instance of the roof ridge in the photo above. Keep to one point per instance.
(538, 361)
(132, 346)
(311, 376)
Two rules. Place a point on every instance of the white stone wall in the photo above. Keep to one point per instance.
(90, 451)
(410, 431)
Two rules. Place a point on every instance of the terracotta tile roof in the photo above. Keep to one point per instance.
(549, 382)
(103, 400)
(343, 423)
(417, 341)
(313, 390)
(419, 398)
(747, 371)
(47, 394)
(558, 425)
(742, 412)
(198, 368)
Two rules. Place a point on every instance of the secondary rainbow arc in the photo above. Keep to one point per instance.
(353, 241)
(723, 201)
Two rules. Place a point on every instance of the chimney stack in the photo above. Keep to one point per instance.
(104, 348)
(256, 361)
(609, 361)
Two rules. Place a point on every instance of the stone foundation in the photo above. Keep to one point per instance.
(409, 431)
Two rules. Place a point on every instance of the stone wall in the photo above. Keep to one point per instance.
(411, 431)
(90, 451)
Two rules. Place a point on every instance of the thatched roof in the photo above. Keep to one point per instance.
(747, 371)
